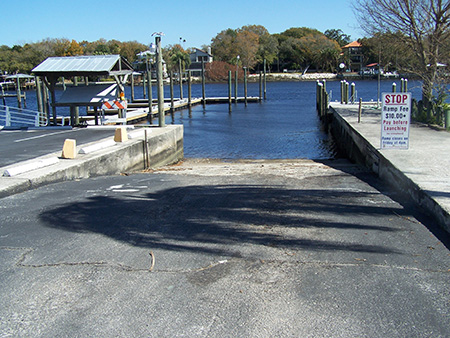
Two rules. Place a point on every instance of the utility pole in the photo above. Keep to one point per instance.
(160, 85)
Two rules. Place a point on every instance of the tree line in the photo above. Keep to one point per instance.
(248, 46)
(407, 36)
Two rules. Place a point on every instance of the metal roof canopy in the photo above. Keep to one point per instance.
(73, 66)
(68, 66)
(19, 76)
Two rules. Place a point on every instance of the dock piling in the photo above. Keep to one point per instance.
(189, 88)
(172, 103)
(229, 87)
(149, 89)
(352, 93)
(161, 115)
(203, 83)
(180, 79)
(236, 86)
(245, 85)
(265, 80)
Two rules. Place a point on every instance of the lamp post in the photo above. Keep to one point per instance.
(159, 80)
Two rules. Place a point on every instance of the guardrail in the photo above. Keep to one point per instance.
(18, 117)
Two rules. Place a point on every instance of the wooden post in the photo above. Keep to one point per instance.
(245, 85)
(132, 87)
(317, 95)
(72, 116)
(19, 94)
(149, 89)
(394, 87)
(352, 92)
(45, 99)
(172, 103)
(144, 86)
(229, 87)
(189, 88)
(3, 96)
(96, 115)
(76, 109)
(260, 85)
(265, 81)
(38, 94)
(203, 83)
(346, 92)
(325, 108)
(319, 98)
(161, 116)
(180, 78)
(53, 95)
(360, 110)
(235, 86)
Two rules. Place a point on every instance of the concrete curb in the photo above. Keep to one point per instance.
(165, 146)
(360, 150)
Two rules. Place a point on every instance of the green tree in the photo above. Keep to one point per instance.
(129, 49)
(338, 36)
(247, 44)
(305, 47)
(223, 45)
(173, 55)
(424, 26)
(73, 49)
(252, 43)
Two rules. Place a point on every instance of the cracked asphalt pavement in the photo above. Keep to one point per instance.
(281, 248)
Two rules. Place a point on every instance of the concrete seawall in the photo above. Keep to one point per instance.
(419, 173)
(164, 146)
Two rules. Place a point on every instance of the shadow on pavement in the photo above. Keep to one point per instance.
(207, 218)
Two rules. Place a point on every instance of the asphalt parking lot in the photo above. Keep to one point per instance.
(21, 145)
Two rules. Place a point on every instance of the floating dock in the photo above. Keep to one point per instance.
(138, 110)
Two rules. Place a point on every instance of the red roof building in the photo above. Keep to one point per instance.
(353, 51)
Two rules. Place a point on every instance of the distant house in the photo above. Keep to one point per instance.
(197, 56)
(144, 59)
(355, 55)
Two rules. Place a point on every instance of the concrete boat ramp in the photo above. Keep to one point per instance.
(421, 172)
(211, 248)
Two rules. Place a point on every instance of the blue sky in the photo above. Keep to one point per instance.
(195, 21)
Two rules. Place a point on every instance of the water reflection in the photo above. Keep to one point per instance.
(284, 126)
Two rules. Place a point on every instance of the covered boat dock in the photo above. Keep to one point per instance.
(89, 95)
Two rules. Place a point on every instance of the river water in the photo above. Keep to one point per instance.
(284, 126)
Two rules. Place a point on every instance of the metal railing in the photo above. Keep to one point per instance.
(18, 117)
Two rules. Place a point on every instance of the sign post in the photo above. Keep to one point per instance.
(395, 120)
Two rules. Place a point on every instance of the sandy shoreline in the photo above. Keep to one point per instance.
(295, 76)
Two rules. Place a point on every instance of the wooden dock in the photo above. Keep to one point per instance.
(138, 110)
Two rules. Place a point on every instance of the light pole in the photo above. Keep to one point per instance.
(159, 79)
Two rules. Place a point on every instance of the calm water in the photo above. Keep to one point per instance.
(284, 126)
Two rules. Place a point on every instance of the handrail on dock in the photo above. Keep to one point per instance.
(18, 117)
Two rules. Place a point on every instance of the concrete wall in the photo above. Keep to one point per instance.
(164, 145)
(359, 150)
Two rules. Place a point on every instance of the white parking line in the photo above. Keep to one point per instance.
(45, 135)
